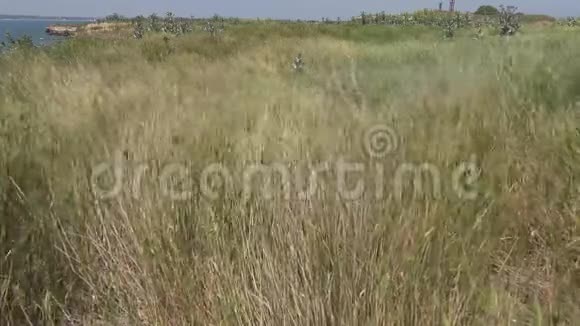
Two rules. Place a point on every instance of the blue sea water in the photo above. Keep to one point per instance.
(35, 28)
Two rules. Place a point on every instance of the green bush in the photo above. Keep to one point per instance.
(23, 43)
(487, 10)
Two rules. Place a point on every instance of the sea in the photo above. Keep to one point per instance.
(35, 28)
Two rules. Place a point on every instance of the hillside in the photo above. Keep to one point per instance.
(231, 172)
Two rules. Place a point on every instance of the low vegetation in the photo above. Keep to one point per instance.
(297, 95)
(12, 43)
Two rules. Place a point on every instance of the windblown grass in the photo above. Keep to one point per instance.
(511, 256)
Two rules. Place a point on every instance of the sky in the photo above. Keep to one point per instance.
(296, 9)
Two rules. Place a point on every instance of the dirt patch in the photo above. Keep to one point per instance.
(96, 28)
(542, 24)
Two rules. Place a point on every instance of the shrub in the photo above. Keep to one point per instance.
(115, 18)
(24, 43)
(157, 49)
(487, 10)
(509, 23)
(449, 28)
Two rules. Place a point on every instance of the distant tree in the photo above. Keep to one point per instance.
(487, 10)
(115, 17)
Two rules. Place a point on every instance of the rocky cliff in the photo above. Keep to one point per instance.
(62, 30)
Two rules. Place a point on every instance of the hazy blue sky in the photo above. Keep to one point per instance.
(264, 8)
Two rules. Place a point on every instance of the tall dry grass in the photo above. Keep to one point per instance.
(509, 257)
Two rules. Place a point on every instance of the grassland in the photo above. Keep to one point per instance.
(509, 256)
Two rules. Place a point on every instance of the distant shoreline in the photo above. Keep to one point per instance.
(45, 18)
